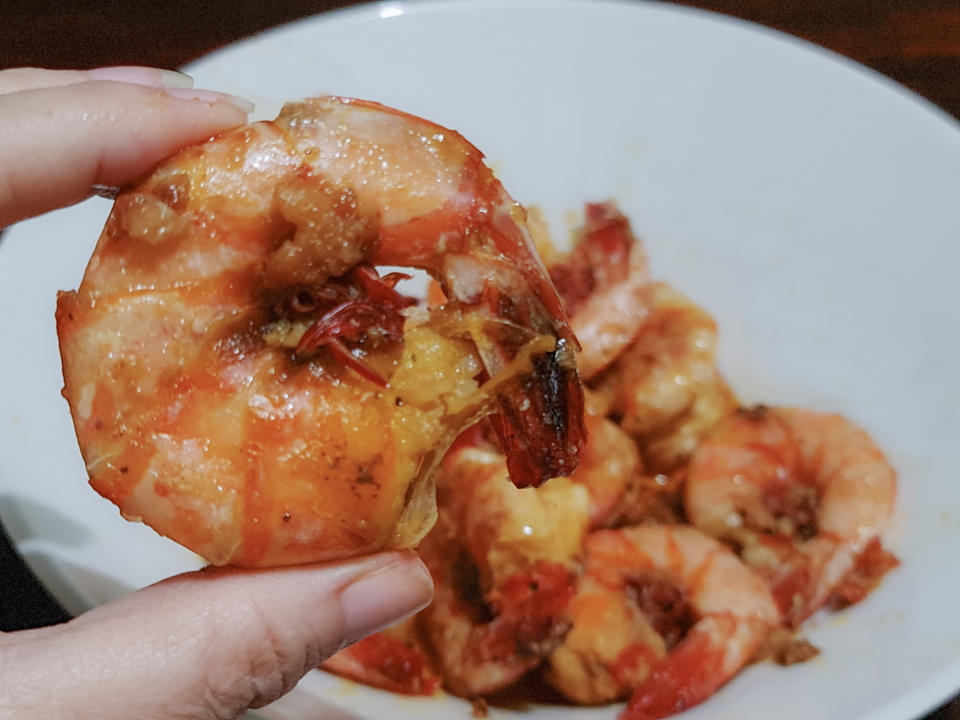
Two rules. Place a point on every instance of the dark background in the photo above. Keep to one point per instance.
(916, 42)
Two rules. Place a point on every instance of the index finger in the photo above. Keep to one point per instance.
(20, 79)
(57, 143)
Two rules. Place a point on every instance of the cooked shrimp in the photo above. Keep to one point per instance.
(803, 494)
(605, 286)
(698, 615)
(503, 562)
(243, 380)
(393, 659)
(665, 387)
(610, 649)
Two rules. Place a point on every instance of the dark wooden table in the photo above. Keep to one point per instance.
(916, 42)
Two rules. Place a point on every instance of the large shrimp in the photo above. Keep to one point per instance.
(802, 494)
(665, 387)
(664, 612)
(504, 563)
(244, 381)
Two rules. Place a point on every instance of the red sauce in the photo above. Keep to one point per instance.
(664, 605)
(528, 610)
(256, 529)
(794, 501)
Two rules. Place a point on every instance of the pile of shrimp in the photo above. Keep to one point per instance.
(693, 539)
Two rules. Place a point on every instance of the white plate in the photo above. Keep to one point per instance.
(812, 206)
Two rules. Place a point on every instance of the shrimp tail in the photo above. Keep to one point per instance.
(385, 661)
(542, 431)
(690, 674)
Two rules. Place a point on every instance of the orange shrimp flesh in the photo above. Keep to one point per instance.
(803, 495)
(243, 380)
(503, 561)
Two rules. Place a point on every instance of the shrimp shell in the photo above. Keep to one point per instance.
(241, 378)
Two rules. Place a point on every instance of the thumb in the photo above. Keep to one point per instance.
(207, 644)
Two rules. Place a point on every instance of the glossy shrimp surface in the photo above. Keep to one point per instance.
(243, 379)
(678, 615)
(605, 286)
(665, 386)
(504, 563)
(802, 494)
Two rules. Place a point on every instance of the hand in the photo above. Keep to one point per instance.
(207, 644)
(64, 132)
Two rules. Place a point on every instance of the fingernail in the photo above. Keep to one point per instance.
(212, 96)
(151, 77)
(383, 597)
(105, 191)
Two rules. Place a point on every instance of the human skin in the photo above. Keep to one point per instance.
(206, 644)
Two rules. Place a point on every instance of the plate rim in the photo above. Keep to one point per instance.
(385, 10)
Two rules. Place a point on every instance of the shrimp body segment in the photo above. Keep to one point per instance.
(711, 611)
(803, 494)
(243, 380)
